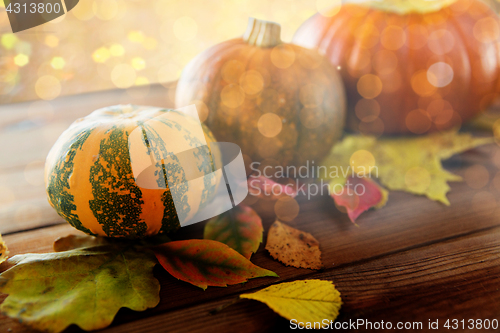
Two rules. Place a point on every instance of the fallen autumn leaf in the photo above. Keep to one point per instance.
(85, 287)
(304, 301)
(293, 247)
(239, 228)
(204, 263)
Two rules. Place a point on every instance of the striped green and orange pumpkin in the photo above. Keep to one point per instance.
(89, 177)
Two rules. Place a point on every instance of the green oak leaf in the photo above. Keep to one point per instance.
(85, 286)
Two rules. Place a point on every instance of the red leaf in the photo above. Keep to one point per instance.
(240, 229)
(266, 188)
(204, 263)
(359, 195)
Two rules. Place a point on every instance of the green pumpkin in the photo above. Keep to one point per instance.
(90, 181)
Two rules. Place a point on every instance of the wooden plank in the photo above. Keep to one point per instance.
(181, 295)
(27, 132)
(459, 279)
(29, 129)
(27, 214)
(405, 237)
(37, 241)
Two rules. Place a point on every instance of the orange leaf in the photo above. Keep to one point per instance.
(358, 195)
(204, 263)
(293, 247)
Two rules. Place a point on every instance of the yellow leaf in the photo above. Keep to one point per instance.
(305, 301)
(411, 164)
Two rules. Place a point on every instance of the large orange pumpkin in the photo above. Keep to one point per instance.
(276, 101)
(410, 66)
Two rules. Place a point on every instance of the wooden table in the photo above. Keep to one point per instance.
(413, 260)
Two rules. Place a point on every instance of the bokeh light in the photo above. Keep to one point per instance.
(123, 75)
(283, 56)
(484, 203)
(440, 74)
(101, 55)
(232, 95)
(57, 63)
(269, 125)
(362, 162)
(369, 86)
(440, 111)
(116, 50)
(252, 82)
(48, 87)
(21, 60)
(84, 11)
(418, 121)
(476, 176)
(393, 37)
(8, 40)
(328, 8)
(486, 30)
(138, 63)
(421, 84)
(286, 208)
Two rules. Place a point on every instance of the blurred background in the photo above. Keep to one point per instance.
(105, 44)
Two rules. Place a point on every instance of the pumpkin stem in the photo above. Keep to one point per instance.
(262, 33)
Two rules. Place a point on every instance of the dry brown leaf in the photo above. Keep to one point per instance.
(293, 247)
(72, 242)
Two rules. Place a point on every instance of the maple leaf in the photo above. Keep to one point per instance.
(85, 287)
(293, 247)
(356, 202)
(411, 164)
(304, 301)
(204, 262)
(240, 228)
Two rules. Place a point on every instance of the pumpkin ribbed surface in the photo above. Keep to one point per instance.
(89, 174)
(410, 67)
